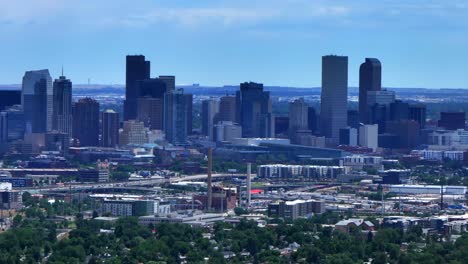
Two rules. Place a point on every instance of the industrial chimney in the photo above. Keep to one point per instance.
(249, 183)
(210, 191)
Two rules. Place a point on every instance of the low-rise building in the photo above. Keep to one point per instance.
(195, 219)
(295, 209)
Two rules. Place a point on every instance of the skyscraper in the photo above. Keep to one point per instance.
(210, 108)
(12, 124)
(175, 117)
(417, 112)
(189, 114)
(150, 102)
(312, 119)
(169, 80)
(254, 111)
(227, 109)
(37, 94)
(62, 106)
(133, 132)
(298, 117)
(86, 122)
(370, 79)
(137, 68)
(369, 136)
(9, 98)
(151, 112)
(110, 129)
(334, 97)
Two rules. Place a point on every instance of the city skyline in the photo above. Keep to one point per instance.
(419, 44)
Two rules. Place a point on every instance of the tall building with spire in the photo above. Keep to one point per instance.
(62, 105)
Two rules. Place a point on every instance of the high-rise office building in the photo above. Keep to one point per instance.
(175, 117)
(137, 68)
(110, 129)
(383, 97)
(189, 114)
(370, 79)
(281, 126)
(62, 106)
(12, 124)
(86, 122)
(210, 109)
(353, 118)
(452, 120)
(154, 87)
(298, 117)
(407, 133)
(417, 112)
(227, 108)
(227, 131)
(369, 136)
(312, 123)
(399, 110)
(254, 111)
(334, 97)
(57, 141)
(169, 80)
(133, 132)
(151, 112)
(37, 94)
(9, 98)
(348, 136)
(150, 102)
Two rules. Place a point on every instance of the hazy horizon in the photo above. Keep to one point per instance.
(419, 43)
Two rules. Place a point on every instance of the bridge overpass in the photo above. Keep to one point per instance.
(129, 184)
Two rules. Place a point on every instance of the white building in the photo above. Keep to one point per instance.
(427, 189)
(307, 171)
(369, 136)
(258, 141)
(448, 140)
(439, 155)
(227, 131)
(360, 161)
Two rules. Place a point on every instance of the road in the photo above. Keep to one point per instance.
(146, 182)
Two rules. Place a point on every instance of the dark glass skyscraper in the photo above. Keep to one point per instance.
(150, 102)
(137, 68)
(370, 79)
(37, 95)
(227, 109)
(9, 98)
(334, 97)
(39, 118)
(62, 106)
(86, 122)
(452, 120)
(254, 111)
(175, 117)
(110, 129)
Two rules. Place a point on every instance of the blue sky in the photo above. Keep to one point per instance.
(421, 43)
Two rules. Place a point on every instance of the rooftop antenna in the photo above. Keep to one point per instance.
(62, 69)
(89, 81)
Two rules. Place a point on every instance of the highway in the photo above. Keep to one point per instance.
(145, 182)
